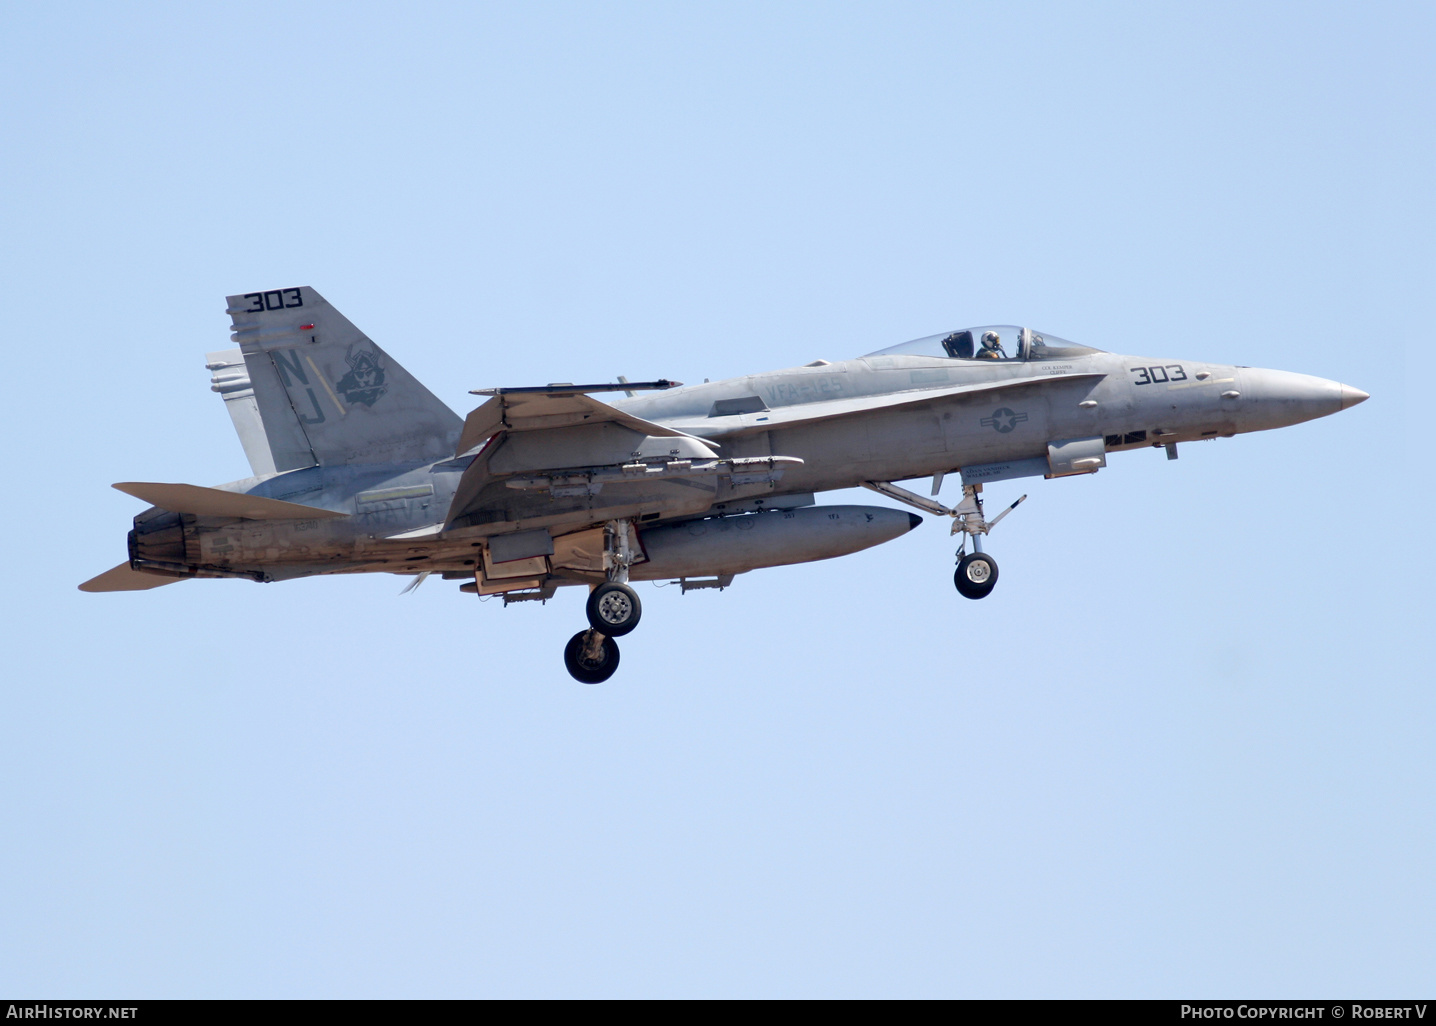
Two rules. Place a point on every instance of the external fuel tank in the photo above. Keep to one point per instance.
(731, 545)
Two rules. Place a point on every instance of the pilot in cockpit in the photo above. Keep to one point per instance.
(991, 347)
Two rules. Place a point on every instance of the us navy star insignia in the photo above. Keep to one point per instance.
(1003, 419)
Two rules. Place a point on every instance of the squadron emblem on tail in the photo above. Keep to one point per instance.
(365, 381)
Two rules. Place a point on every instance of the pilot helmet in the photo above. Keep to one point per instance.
(990, 340)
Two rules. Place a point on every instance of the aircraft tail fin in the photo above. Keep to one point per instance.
(322, 391)
(230, 378)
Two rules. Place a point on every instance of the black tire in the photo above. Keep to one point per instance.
(590, 671)
(613, 609)
(976, 575)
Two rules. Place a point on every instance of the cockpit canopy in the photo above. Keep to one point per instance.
(991, 342)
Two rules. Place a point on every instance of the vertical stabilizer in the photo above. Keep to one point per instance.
(230, 378)
(326, 393)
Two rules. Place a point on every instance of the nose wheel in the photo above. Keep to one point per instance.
(976, 575)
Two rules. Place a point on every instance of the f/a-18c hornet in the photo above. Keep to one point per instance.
(359, 468)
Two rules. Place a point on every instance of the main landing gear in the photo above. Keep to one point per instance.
(613, 610)
(591, 657)
(976, 573)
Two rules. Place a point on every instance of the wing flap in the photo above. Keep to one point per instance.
(216, 502)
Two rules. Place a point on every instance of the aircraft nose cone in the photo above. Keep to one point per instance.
(1272, 398)
(1351, 396)
(913, 519)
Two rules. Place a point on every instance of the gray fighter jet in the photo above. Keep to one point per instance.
(358, 468)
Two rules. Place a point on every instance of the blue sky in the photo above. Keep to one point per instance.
(1185, 748)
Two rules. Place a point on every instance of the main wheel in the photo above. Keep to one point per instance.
(613, 609)
(588, 667)
(976, 575)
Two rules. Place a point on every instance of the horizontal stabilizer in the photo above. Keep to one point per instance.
(530, 411)
(216, 502)
(122, 578)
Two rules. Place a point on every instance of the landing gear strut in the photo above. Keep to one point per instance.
(613, 610)
(976, 574)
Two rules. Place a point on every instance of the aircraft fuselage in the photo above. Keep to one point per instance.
(1128, 402)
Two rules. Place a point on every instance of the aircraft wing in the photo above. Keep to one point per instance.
(558, 427)
(806, 413)
(536, 411)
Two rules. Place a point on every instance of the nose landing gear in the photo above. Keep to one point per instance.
(613, 610)
(976, 574)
